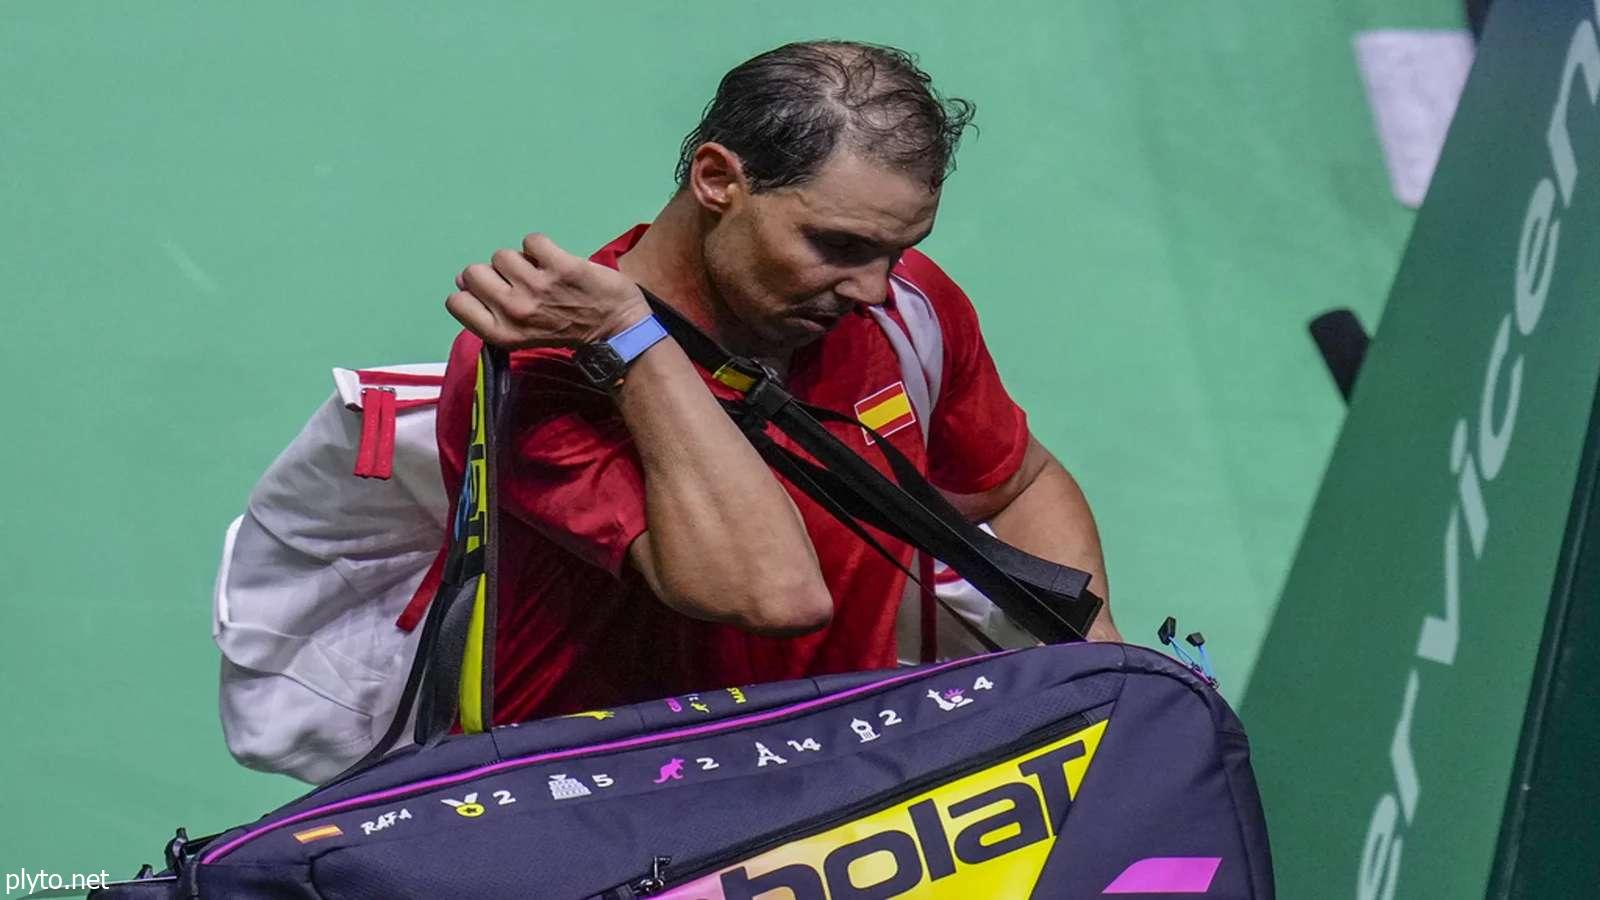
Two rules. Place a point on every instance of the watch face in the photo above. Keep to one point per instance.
(599, 363)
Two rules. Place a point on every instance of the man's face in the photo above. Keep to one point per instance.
(788, 262)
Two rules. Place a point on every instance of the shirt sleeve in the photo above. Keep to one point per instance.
(977, 435)
(571, 472)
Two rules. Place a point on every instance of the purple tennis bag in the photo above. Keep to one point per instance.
(1075, 770)
(1065, 770)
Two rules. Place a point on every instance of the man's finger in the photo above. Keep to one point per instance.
(543, 252)
(483, 280)
(475, 316)
(515, 268)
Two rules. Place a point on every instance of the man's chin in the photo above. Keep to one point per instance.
(797, 340)
(804, 330)
(788, 336)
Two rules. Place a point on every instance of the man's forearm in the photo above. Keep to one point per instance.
(725, 542)
(1051, 519)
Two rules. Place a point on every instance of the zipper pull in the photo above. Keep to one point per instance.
(1168, 633)
(1198, 641)
(655, 881)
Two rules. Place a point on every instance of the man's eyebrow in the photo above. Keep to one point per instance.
(830, 231)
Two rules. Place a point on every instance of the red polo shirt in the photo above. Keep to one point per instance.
(579, 629)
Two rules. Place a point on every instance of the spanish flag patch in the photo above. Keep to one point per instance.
(886, 411)
(317, 834)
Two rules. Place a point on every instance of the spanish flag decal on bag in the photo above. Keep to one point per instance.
(317, 834)
(886, 411)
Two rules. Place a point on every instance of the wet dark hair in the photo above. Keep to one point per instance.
(785, 112)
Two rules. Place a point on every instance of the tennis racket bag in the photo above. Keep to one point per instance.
(1076, 770)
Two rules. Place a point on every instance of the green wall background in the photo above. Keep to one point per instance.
(205, 206)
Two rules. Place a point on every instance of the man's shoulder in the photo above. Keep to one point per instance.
(949, 302)
(462, 367)
(929, 277)
(543, 373)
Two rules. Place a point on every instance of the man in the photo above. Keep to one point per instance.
(646, 548)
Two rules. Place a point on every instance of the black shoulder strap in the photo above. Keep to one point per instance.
(1049, 600)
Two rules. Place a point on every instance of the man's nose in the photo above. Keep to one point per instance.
(868, 286)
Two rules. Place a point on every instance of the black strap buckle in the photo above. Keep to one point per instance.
(768, 395)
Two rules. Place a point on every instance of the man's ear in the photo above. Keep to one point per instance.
(716, 178)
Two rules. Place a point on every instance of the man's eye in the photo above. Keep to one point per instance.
(843, 249)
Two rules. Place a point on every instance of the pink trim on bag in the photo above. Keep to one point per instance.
(379, 376)
(1166, 875)
(626, 744)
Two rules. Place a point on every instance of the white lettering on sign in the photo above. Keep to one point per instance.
(1535, 255)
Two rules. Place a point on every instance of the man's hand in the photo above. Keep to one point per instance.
(544, 296)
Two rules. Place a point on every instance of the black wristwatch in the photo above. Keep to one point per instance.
(605, 362)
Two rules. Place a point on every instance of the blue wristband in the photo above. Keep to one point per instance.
(637, 338)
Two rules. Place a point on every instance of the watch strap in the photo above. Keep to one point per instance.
(637, 338)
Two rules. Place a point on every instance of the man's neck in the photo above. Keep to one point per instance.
(669, 261)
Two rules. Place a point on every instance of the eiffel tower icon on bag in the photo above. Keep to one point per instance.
(564, 788)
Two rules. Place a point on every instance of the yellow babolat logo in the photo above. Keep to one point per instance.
(987, 834)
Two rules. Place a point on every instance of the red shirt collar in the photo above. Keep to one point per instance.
(610, 253)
